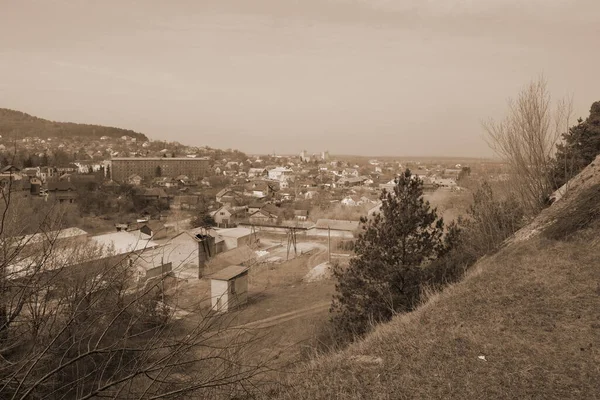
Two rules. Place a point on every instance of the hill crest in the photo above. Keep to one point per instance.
(17, 124)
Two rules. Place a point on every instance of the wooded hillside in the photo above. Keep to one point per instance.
(19, 124)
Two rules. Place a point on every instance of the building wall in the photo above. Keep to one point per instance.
(219, 291)
(240, 296)
(227, 295)
(122, 168)
(334, 233)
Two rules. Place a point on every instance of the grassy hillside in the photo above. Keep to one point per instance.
(524, 323)
(533, 312)
(21, 125)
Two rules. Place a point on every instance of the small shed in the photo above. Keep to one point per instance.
(229, 288)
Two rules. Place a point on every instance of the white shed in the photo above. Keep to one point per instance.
(229, 288)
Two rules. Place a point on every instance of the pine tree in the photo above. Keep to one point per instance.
(579, 147)
(386, 275)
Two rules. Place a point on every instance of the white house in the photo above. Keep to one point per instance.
(257, 172)
(350, 201)
(281, 173)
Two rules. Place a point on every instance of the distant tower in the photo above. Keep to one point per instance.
(325, 155)
(303, 156)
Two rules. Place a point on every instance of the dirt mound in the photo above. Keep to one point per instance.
(569, 200)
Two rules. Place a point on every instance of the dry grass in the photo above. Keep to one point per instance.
(584, 211)
(532, 310)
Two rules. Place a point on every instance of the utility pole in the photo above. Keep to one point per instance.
(329, 242)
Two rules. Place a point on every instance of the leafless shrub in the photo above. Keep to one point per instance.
(526, 140)
(75, 323)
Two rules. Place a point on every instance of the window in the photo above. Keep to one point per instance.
(232, 287)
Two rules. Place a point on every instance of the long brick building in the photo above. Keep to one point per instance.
(150, 167)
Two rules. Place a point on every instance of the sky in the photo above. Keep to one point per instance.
(365, 77)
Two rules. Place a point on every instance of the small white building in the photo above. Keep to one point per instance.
(281, 173)
(229, 288)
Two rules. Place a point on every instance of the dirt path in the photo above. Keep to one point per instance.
(288, 316)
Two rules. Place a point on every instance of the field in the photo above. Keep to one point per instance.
(284, 313)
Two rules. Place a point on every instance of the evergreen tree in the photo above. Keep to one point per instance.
(579, 147)
(28, 163)
(386, 275)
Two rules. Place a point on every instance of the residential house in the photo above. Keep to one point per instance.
(226, 216)
(286, 196)
(227, 196)
(259, 188)
(166, 182)
(301, 215)
(134, 180)
(69, 169)
(149, 229)
(352, 181)
(186, 202)
(423, 174)
(31, 172)
(348, 172)
(280, 173)
(10, 172)
(254, 207)
(351, 201)
(257, 173)
(155, 194)
(185, 180)
(46, 172)
(63, 191)
(268, 215)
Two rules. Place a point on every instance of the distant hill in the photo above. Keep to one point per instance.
(19, 124)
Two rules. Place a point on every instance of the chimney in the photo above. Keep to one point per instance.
(206, 250)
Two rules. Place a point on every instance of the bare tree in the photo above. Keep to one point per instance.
(75, 323)
(526, 140)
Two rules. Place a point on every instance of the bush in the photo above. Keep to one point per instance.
(490, 221)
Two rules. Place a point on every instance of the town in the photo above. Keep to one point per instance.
(299, 200)
(210, 222)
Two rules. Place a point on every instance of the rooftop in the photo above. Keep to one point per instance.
(123, 242)
(160, 159)
(337, 224)
(234, 232)
(229, 273)
(53, 235)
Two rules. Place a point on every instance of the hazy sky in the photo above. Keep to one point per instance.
(372, 77)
